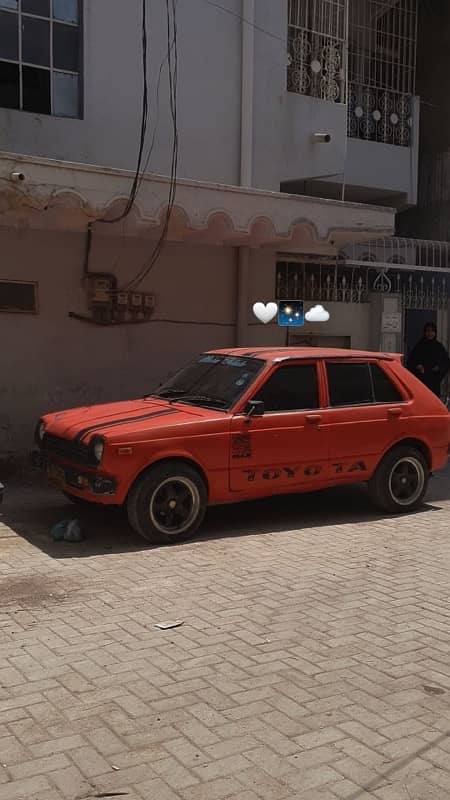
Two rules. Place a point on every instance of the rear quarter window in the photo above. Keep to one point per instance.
(360, 383)
(384, 389)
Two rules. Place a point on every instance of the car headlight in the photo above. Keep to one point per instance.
(98, 447)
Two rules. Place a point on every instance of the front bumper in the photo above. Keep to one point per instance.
(68, 477)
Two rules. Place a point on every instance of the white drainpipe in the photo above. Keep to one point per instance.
(246, 171)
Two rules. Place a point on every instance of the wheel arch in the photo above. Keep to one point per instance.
(178, 459)
(410, 441)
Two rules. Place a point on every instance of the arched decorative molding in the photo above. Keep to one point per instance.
(59, 195)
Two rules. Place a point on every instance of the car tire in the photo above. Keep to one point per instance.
(168, 502)
(400, 482)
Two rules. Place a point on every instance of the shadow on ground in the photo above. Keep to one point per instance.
(31, 509)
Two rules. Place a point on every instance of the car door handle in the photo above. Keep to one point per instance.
(394, 412)
(313, 419)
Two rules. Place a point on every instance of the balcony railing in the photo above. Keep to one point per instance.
(316, 65)
(380, 115)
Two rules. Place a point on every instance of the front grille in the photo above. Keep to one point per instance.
(67, 449)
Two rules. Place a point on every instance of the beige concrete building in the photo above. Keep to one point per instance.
(74, 346)
(293, 160)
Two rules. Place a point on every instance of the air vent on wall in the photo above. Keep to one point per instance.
(18, 297)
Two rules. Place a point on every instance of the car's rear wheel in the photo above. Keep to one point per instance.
(400, 481)
(167, 504)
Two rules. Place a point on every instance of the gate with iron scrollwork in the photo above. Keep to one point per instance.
(345, 283)
(327, 281)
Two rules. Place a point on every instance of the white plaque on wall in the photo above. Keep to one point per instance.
(391, 322)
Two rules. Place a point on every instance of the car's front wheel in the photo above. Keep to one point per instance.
(167, 504)
(400, 481)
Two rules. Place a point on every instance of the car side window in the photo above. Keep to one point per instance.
(349, 384)
(356, 384)
(292, 387)
(384, 389)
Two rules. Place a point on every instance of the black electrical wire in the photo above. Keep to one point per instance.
(157, 105)
(140, 177)
(144, 121)
(172, 58)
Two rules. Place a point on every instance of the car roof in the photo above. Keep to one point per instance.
(286, 353)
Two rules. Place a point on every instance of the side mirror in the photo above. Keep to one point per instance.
(255, 408)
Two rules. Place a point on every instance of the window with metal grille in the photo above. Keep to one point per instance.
(18, 297)
(316, 36)
(381, 69)
(40, 56)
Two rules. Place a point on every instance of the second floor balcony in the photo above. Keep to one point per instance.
(358, 52)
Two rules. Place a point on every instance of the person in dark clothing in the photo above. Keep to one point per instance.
(429, 360)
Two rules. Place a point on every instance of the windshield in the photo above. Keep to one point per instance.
(212, 380)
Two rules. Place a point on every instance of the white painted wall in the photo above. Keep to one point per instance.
(383, 167)
(345, 320)
(302, 157)
(208, 93)
(209, 98)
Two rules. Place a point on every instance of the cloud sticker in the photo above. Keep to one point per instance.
(317, 314)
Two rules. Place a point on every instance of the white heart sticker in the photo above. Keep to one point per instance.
(265, 312)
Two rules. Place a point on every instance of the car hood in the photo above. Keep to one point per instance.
(118, 418)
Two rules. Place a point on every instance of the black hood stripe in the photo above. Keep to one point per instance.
(123, 421)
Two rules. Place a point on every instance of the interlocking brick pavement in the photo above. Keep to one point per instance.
(313, 663)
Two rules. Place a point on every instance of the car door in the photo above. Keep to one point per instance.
(286, 447)
(366, 414)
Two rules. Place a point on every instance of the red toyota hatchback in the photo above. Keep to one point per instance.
(241, 424)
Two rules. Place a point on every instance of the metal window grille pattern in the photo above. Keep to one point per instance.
(382, 41)
(416, 269)
(40, 56)
(326, 282)
(379, 116)
(424, 292)
(316, 42)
